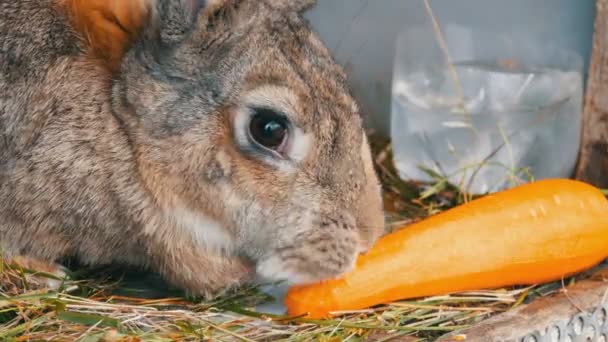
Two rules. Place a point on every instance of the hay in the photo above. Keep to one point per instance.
(95, 307)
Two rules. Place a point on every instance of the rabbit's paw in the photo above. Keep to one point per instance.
(36, 273)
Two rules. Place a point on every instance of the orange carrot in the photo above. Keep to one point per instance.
(534, 233)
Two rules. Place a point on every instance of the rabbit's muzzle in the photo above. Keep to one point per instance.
(328, 249)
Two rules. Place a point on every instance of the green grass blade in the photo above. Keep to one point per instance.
(88, 319)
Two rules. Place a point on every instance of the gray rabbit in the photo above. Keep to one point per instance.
(220, 144)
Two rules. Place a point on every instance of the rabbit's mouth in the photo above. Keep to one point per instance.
(277, 269)
(314, 256)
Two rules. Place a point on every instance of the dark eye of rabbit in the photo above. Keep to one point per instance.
(268, 128)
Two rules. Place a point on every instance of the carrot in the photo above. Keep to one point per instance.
(534, 233)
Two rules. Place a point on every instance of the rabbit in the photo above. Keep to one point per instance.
(214, 143)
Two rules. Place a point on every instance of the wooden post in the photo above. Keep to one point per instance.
(593, 160)
(538, 315)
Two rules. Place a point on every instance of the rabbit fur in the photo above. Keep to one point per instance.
(125, 138)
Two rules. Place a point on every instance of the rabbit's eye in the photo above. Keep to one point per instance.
(268, 129)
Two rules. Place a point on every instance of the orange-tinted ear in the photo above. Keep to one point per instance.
(108, 26)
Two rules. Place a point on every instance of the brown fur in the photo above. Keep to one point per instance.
(125, 145)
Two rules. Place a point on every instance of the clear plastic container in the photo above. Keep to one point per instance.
(484, 111)
(361, 35)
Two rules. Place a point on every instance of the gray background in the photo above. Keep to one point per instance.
(362, 33)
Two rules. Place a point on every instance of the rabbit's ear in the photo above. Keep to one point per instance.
(220, 16)
(296, 5)
(171, 20)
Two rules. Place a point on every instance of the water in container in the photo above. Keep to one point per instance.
(484, 122)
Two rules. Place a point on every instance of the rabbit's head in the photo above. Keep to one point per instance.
(247, 137)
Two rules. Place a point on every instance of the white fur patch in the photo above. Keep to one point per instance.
(367, 159)
(300, 145)
(240, 127)
(273, 269)
(366, 155)
(205, 231)
(55, 284)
